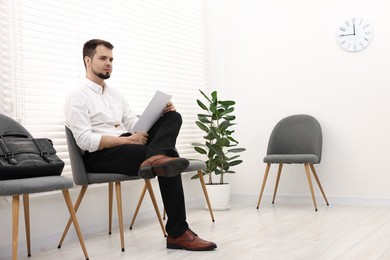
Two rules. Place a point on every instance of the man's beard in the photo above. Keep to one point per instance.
(101, 75)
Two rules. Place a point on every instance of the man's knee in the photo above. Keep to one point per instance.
(175, 116)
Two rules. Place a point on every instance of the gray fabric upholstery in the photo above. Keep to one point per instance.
(109, 177)
(80, 175)
(28, 185)
(195, 165)
(7, 124)
(295, 139)
(34, 185)
(291, 158)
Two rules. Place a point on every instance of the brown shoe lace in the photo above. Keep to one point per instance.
(191, 233)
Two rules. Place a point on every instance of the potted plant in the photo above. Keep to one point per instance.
(219, 147)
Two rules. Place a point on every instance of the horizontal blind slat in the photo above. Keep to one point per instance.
(159, 44)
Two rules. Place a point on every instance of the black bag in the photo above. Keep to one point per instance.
(25, 157)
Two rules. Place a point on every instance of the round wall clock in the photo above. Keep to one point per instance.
(355, 34)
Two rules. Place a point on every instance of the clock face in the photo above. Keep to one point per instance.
(355, 34)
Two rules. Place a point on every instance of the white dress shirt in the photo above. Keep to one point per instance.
(91, 113)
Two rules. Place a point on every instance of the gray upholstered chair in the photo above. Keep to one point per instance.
(84, 178)
(26, 186)
(295, 139)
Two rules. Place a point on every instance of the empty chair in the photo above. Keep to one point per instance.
(295, 139)
(84, 178)
(26, 186)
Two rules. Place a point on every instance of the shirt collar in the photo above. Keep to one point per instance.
(95, 87)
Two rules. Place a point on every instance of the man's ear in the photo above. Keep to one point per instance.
(87, 60)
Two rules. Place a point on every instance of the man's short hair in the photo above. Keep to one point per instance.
(90, 47)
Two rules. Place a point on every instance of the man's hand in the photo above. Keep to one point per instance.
(112, 141)
(169, 107)
(138, 138)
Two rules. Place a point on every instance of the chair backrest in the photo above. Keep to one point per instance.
(76, 159)
(8, 124)
(296, 134)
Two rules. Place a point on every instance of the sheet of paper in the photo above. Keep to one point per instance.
(152, 112)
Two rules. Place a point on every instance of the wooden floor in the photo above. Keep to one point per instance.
(280, 231)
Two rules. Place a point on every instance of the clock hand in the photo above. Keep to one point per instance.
(353, 29)
(342, 35)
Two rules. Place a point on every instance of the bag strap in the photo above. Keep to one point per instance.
(45, 148)
(16, 134)
(10, 157)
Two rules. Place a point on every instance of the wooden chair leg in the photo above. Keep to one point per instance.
(75, 221)
(277, 181)
(120, 213)
(110, 198)
(15, 226)
(206, 195)
(141, 198)
(311, 185)
(153, 198)
(263, 185)
(26, 206)
(319, 183)
(76, 207)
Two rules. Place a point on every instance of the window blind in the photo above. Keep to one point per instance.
(159, 44)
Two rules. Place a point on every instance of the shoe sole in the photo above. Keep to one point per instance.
(168, 169)
(175, 246)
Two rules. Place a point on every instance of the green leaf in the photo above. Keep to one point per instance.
(232, 139)
(198, 144)
(213, 109)
(202, 126)
(218, 171)
(209, 136)
(200, 150)
(199, 115)
(203, 106)
(216, 149)
(229, 117)
(236, 150)
(227, 103)
(204, 119)
(205, 96)
(224, 125)
(234, 157)
(214, 97)
(214, 132)
(227, 111)
(223, 142)
(236, 162)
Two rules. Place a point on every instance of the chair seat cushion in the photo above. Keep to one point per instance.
(291, 158)
(109, 177)
(195, 165)
(34, 185)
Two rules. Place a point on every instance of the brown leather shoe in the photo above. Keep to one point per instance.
(162, 165)
(190, 241)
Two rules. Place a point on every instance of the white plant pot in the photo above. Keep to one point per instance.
(219, 195)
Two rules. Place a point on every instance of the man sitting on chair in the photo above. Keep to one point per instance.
(102, 121)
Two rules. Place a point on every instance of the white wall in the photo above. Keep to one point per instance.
(278, 58)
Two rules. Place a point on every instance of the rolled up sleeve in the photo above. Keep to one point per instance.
(78, 120)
